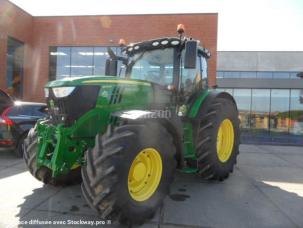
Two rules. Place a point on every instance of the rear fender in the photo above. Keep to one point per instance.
(205, 105)
(209, 99)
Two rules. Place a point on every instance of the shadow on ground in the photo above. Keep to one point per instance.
(63, 205)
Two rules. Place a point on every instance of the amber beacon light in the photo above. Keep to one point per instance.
(122, 42)
(180, 29)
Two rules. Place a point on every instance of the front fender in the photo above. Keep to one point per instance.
(167, 118)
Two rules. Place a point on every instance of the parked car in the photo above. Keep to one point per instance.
(16, 118)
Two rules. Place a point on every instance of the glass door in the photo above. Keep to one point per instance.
(14, 67)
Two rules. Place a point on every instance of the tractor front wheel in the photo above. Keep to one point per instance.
(129, 172)
(218, 140)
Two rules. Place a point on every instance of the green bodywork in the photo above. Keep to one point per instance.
(62, 148)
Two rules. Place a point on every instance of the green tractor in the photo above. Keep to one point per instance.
(125, 134)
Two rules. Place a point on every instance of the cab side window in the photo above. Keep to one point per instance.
(192, 78)
(204, 70)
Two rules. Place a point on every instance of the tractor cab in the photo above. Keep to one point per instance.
(177, 64)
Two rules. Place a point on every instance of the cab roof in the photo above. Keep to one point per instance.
(161, 43)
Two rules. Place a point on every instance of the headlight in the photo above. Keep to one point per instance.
(46, 92)
(63, 91)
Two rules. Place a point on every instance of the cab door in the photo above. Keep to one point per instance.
(193, 81)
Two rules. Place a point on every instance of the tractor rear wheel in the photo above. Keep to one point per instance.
(218, 140)
(129, 172)
(44, 174)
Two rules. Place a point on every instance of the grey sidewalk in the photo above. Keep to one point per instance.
(265, 190)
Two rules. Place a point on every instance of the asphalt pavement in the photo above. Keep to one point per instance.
(265, 190)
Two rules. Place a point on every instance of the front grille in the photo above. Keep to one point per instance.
(67, 110)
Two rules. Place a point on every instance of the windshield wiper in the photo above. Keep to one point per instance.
(113, 56)
(132, 63)
(136, 59)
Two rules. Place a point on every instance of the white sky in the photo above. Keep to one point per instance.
(244, 25)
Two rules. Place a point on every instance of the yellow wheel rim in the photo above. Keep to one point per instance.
(145, 174)
(75, 166)
(225, 140)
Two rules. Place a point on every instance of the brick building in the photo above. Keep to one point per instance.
(28, 45)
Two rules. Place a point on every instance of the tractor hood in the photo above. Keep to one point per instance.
(93, 80)
(70, 99)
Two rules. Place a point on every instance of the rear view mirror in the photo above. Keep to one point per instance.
(191, 48)
(111, 67)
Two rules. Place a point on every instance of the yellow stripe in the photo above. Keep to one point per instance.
(118, 82)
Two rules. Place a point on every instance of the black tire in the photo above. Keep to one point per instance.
(210, 167)
(44, 174)
(105, 178)
(19, 148)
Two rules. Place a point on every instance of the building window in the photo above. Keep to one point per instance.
(231, 74)
(294, 75)
(264, 74)
(279, 111)
(296, 112)
(260, 109)
(77, 61)
(257, 74)
(59, 66)
(100, 56)
(248, 74)
(270, 113)
(220, 74)
(243, 100)
(14, 67)
(281, 75)
(81, 61)
(230, 91)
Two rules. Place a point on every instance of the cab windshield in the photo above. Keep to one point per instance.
(154, 66)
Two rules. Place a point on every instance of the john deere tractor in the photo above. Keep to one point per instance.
(126, 133)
